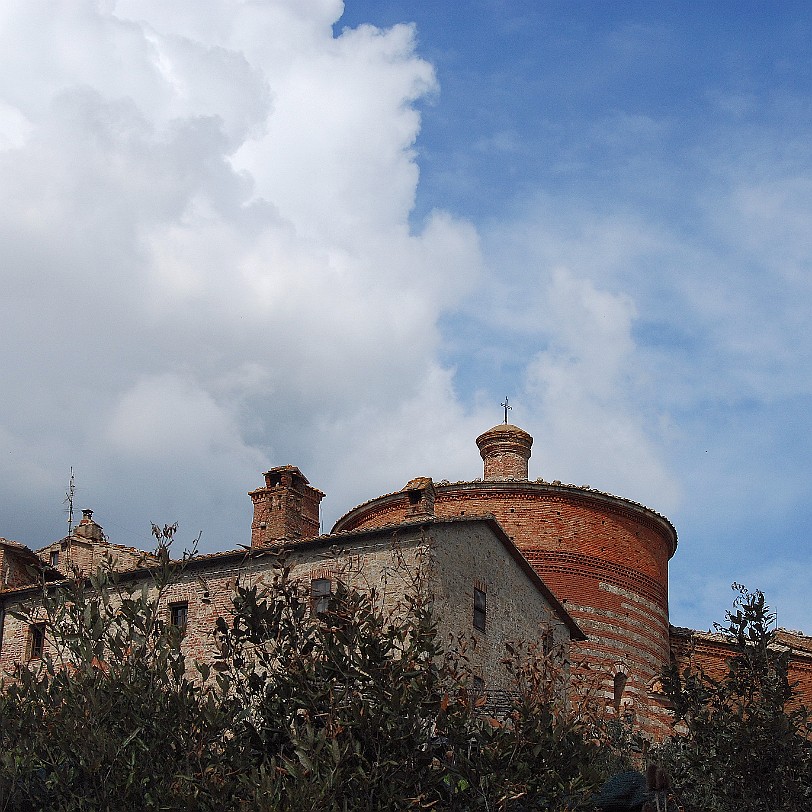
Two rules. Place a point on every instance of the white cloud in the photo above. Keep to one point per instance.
(585, 391)
(206, 247)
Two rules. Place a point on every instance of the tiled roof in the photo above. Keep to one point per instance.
(445, 485)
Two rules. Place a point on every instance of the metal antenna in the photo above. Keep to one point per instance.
(69, 500)
(506, 406)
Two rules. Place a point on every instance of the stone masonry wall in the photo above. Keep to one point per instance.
(389, 562)
(516, 610)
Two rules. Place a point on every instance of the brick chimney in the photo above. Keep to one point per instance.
(420, 492)
(87, 528)
(505, 450)
(286, 508)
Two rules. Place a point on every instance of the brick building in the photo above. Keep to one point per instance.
(605, 558)
(523, 558)
(480, 586)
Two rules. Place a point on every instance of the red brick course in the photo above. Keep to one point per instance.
(605, 559)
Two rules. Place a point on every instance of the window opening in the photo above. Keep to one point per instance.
(320, 591)
(36, 641)
(620, 686)
(179, 615)
(480, 609)
(54, 558)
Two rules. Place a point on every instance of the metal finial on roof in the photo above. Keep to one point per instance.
(506, 406)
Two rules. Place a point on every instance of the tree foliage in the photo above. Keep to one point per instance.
(745, 741)
(347, 709)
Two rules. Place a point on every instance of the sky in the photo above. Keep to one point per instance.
(235, 235)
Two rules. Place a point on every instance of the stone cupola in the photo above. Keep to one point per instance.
(505, 450)
(286, 508)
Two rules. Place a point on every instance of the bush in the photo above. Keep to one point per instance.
(348, 708)
(746, 743)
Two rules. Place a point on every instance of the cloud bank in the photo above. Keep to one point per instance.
(207, 259)
(215, 258)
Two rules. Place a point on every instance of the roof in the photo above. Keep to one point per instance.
(29, 557)
(102, 543)
(797, 642)
(352, 536)
(20, 549)
(556, 486)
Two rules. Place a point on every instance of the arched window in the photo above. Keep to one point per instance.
(620, 686)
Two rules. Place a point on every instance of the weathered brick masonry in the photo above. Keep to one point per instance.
(604, 557)
(541, 557)
(451, 556)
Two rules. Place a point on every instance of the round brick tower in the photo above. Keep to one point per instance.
(604, 557)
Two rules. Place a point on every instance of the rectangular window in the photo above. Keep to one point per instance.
(480, 609)
(54, 558)
(320, 591)
(179, 614)
(36, 641)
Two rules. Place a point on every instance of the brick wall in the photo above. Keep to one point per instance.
(13, 571)
(711, 652)
(605, 559)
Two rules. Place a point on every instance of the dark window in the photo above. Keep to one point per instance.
(478, 684)
(480, 608)
(320, 591)
(36, 641)
(620, 686)
(179, 614)
(54, 558)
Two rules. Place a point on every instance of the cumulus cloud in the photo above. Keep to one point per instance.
(207, 255)
(585, 391)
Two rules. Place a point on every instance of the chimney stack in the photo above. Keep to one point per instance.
(287, 508)
(421, 498)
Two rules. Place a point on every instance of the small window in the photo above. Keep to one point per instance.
(179, 614)
(320, 591)
(36, 641)
(54, 558)
(480, 608)
(478, 684)
(620, 686)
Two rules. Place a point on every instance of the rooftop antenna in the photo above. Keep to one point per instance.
(69, 500)
(506, 406)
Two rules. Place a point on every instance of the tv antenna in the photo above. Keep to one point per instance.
(69, 494)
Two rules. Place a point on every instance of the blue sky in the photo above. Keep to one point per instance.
(337, 235)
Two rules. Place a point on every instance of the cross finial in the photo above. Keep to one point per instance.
(506, 405)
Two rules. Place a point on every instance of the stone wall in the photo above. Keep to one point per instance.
(448, 560)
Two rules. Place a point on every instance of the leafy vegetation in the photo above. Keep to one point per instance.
(348, 708)
(745, 741)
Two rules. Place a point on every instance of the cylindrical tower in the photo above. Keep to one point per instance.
(604, 557)
(505, 450)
